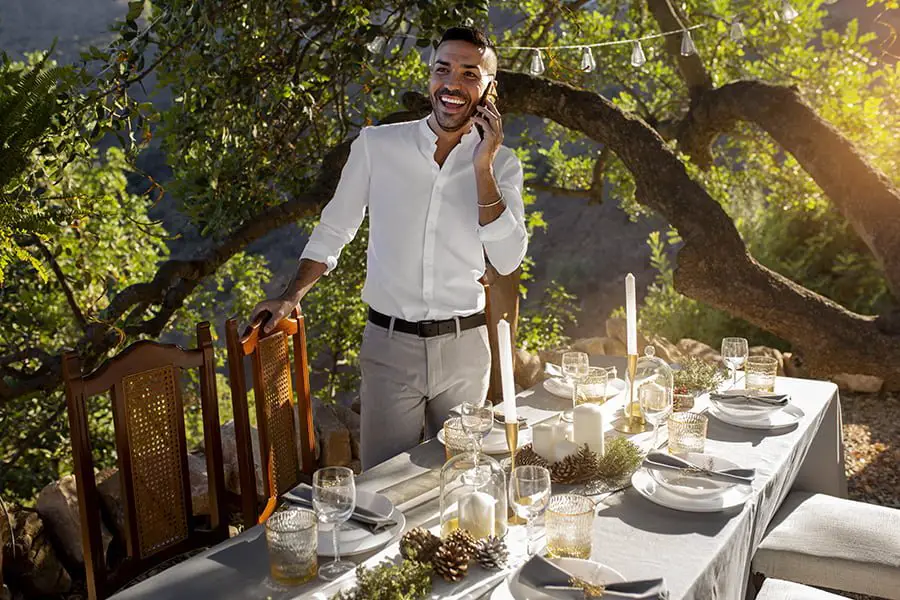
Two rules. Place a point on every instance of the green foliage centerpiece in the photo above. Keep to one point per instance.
(622, 458)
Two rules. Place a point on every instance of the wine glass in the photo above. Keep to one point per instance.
(734, 353)
(575, 366)
(656, 404)
(529, 493)
(334, 498)
(477, 422)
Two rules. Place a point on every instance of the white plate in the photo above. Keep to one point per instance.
(560, 387)
(746, 410)
(513, 589)
(694, 486)
(495, 441)
(354, 538)
(785, 417)
(649, 489)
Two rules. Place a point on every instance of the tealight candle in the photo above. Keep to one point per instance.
(476, 514)
(588, 427)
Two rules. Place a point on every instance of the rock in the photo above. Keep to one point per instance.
(229, 457)
(617, 330)
(592, 346)
(858, 383)
(615, 348)
(696, 349)
(57, 504)
(794, 365)
(350, 419)
(199, 484)
(332, 435)
(773, 352)
(666, 350)
(30, 561)
(356, 405)
(553, 356)
(529, 369)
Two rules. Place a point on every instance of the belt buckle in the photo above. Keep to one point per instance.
(422, 328)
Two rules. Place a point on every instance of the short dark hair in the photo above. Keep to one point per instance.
(472, 35)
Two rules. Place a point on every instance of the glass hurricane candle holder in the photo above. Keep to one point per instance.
(456, 440)
(473, 495)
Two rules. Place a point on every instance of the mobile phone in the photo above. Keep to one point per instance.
(490, 93)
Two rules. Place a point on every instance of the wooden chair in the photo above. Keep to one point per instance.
(280, 433)
(502, 301)
(148, 418)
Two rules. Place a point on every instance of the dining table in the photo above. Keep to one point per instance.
(701, 555)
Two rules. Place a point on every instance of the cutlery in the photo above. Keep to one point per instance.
(767, 399)
(370, 520)
(659, 460)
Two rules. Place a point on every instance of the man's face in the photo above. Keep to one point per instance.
(459, 76)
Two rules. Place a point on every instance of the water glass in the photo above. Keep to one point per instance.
(656, 404)
(687, 432)
(761, 373)
(529, 494)
(456, 440)
(592, 387)
(292, 542)
(575, 366)
(734, 354)
(334, 498)
(477, 422)
(569, 519)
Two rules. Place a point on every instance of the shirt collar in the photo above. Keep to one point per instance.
(431, 137)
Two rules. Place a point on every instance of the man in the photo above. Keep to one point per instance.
(440, 198)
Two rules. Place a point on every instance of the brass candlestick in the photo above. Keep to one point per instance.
(512, 442)
(632, 420)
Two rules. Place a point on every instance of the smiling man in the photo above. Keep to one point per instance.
(441, 196)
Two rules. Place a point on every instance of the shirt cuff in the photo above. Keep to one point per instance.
(319, 253)
(498, 229)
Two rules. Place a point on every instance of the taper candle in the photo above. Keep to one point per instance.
(630, 315)
(506, 371)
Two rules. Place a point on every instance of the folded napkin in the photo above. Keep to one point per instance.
(669, 462)
(553, 370)
(542, 575)
(373, 521)
(749, 398)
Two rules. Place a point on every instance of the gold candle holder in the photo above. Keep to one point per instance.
(632, 420)
(512, 442)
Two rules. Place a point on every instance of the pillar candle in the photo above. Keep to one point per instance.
(563, 448)
(476, 514)
(543, 440)
(588, 427)
(630, 315)
(506, 371)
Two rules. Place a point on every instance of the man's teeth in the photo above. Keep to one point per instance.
(452, 100)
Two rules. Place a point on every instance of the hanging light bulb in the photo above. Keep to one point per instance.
(588, 64)
(537, 63)
(687, 44)
(376, 45)
(637, 54)
(737, 31)
(788, 12)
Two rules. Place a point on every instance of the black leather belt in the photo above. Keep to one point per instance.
(427, 329)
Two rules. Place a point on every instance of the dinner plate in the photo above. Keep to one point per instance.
(694, 486)
(560, 387)
(495, 441)
(787, 416)
(590, 571)
(647, 487)
(747, 409)
(354, 538)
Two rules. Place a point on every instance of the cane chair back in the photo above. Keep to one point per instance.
(284, 425)
(501, 302)
(143, 383)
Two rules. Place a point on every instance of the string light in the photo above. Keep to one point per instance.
(537, 63)
(687, 44)
(737, 31)
(588, 64)
(637, 55)
(788, 12)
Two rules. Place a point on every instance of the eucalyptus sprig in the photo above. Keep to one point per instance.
(622, 458)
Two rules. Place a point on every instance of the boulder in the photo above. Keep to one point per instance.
(868, 384)
(591, 346)
(350, 419)
(57, 505)
(332, 436)
(229, 457)
(773, 352)
(697, 349)
(794, 365)
(529, 369)
(615, 348)
(553, 356)
(29, 560)
(666, 350)
(616, 328)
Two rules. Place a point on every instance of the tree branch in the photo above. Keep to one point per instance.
(61, 277)
(691, 67)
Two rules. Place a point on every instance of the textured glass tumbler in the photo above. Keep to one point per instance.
(456, 440)
(687, 432)
(592, 387)
(569, 520)
(292, 541)
(761, 373)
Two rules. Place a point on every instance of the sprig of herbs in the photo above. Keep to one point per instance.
(409, 580)
(697, 375)
(622, 458)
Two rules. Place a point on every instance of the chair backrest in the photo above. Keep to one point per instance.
(143, 383)
(501, 302)
(280, 435)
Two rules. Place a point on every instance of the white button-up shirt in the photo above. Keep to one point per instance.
(426, 248)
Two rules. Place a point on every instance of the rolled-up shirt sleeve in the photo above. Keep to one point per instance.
(505, 239)
(343, 215)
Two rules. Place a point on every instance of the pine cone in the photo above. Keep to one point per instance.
(451, 561)
(567, 470)
(491, 552)
(463, 537)
(527, 456)
(419, 545)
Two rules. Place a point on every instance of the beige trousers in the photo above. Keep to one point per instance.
(410, 382)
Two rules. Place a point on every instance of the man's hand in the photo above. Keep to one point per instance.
(492, 124)
(279, 308)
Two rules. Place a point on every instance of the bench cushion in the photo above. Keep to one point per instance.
(778, 589)
(834, 543)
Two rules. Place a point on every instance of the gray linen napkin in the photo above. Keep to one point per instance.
(541, 574)
(373, 521)
(753, 399)
(662, 460)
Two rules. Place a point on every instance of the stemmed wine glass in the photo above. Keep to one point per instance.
(477, 422)
(529, 493)
(656, 404)
(575, 366)
(734, 353)
(334, 498)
